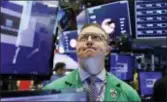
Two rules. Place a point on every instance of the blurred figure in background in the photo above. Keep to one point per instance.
(160, 90)
(59, 71)
(165, 71)
(135, 81)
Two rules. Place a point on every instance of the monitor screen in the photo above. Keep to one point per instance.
(116, 14)
(67, 41)
(75, 96)
(151, 19)
(26, 37)
(122, 65)
(147, 80)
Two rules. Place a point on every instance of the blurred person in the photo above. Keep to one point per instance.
(160, 90)
(91, 76)
(165, 71)
(135, 81)
(59, 70)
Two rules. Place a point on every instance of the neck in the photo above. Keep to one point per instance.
(92, 66)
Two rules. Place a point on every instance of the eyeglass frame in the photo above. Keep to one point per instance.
(102, 37)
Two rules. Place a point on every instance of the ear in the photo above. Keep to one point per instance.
(108, 50)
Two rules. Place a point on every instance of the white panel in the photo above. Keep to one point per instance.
(8, 39)
(10, 12)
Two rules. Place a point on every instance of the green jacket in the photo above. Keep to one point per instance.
(124, 91)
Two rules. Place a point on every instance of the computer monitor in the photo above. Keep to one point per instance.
(67, 41)
(146, 82)
(26, 38)
(122, 66)
(151, 19)
(48, 96)
(117, 12)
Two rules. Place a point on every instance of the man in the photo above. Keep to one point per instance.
(91, 48)
(60, 72)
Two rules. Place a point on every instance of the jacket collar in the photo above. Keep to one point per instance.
(113, 83)
(74, 79)
(84, 75)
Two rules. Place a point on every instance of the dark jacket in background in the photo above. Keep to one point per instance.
(160, 90)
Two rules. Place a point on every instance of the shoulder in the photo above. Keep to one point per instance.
(130, 93)
(160, 84)
(162, 81)
(56, 85)
(61, 82)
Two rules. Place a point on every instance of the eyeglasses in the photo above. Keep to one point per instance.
(94, 37)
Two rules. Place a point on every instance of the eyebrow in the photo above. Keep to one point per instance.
(92, 34)
(103, 35)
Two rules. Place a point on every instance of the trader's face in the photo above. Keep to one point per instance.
(91, 41)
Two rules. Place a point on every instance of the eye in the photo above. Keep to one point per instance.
(97, 38)
(83, 38)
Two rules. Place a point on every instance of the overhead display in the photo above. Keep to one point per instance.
(114, 18)
(151, 19)
(26, 37)
(67, 42)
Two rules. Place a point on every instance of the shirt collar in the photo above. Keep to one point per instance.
(84, 75)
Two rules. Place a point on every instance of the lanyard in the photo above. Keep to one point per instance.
(101, 90)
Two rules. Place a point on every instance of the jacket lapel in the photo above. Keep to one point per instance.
(73, 80)
(112, 91)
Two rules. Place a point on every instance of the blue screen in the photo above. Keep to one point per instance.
(122, 66)
(151, 19)
(147, 80)
(26, 37)
(68, 41)
(118, 12)
(79, 96)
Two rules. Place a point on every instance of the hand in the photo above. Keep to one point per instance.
(108, 26)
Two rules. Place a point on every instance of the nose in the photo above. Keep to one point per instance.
(89, 42)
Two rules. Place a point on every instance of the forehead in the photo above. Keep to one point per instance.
(92, 29)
